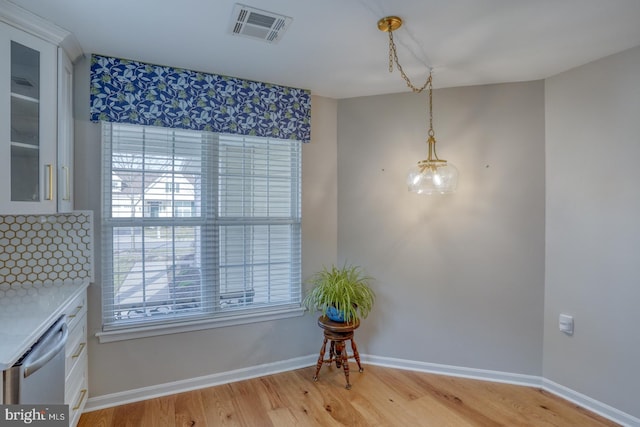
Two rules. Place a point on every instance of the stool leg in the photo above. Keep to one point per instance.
(338, 347)
(341, 356)
(320, 359)
(356, 355)
(332, 353)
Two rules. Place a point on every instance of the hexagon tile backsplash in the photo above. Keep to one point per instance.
(40, 250)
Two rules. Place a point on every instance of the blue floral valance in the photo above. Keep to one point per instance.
(127, 91)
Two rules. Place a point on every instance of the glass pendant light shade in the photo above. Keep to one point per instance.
(435, 177)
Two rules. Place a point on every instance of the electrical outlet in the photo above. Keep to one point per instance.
(565, 324)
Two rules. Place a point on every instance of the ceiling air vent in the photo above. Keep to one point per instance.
(259, 24)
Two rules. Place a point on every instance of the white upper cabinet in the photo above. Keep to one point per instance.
(36, 113)
(28, 131)
(65, 132)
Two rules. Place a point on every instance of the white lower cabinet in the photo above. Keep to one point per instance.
(76, 383)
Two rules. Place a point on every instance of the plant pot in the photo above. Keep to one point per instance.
(335, 315)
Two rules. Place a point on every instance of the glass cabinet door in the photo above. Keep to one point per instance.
(25, 123)
(28, 114)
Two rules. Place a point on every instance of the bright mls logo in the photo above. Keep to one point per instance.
(34, 415)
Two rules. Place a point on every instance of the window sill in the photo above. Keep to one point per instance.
(196, 325)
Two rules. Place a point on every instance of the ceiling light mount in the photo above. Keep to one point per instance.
(389, 23)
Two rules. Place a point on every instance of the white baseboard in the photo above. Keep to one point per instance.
(593, 405)
(454, 371)
(129, 396)
(144, 393)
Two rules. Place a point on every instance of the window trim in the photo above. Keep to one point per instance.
(129, 333)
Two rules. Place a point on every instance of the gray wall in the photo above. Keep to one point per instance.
(126, 365)
(459, 279)
(593, 229)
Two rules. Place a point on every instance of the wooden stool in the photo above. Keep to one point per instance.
(338, 333)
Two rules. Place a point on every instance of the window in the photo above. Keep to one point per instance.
(197, 226)
(169, 187)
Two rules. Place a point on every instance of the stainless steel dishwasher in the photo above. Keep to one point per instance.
(38, 377)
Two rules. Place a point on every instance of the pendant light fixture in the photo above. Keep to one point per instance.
(432, 175)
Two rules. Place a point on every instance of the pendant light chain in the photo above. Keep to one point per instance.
(430, 84)
(393, 57)
(431, 141)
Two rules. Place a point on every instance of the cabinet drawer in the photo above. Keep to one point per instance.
(76, 392)
(76, 345)
(76, 310)
(76, 379)
(76, 384)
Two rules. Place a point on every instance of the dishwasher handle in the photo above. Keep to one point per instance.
(51, 344)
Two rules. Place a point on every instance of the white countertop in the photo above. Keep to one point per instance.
(25, 314)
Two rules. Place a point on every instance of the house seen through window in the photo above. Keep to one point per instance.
(197, 225)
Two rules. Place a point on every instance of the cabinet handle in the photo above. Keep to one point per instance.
(83, 394)
(79, 352)
(67, 192)
(75, 313)
(49, 175)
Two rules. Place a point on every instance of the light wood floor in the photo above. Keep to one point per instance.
(379, 397)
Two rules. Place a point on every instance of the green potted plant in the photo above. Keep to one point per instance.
(342, 294)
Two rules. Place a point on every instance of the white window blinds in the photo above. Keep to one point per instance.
(197, 225)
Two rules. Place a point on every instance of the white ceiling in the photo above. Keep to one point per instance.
(334, 47)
